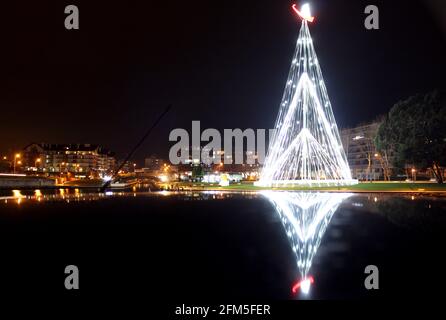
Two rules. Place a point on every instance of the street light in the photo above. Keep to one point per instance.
(414, 174)
(38, 160)
(17, 156)
(60, 167)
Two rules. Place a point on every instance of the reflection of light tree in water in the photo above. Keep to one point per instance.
(305, 217)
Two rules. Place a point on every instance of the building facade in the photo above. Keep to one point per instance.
(364, 160)
(77, 159)
(153, 164)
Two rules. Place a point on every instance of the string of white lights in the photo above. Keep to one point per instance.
(305, 218)
(306, 147)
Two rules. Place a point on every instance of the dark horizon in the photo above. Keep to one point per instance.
(224, 64)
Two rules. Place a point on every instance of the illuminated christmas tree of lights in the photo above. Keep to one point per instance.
(305, 217)
(306, 147)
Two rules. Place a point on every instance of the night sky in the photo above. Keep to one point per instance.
(222, 62)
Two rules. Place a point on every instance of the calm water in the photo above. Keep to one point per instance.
(222, 245)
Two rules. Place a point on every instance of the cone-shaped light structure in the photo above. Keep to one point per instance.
(306, 147)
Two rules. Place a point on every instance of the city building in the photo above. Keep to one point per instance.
(127, 167)
(153, 164)
(364, 160)
(78, 159)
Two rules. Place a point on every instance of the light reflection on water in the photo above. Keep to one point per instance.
(305, 217)
(319, 227)
(76, 195)
(374, 202)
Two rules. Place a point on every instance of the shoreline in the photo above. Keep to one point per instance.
(376, 187)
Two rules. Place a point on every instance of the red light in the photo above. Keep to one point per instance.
(310, 19)
(296, 286)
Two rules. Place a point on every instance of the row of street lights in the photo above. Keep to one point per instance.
(18, 162)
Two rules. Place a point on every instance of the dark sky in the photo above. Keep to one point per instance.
(222, 62)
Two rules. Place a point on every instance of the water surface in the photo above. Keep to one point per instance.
(222, 245)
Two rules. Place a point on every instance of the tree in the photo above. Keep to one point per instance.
(197, 172)
(383, 159)
(415, 131)
(383, 149)
(367, 148)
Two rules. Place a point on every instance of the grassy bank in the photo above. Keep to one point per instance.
(361, 187)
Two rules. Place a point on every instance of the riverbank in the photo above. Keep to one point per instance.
(33, 182)
(363, 187)
(22, 182)
(17, 181)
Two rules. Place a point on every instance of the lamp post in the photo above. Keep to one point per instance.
(60, 167)
(17, 156)
(38, 160)
(414, 174)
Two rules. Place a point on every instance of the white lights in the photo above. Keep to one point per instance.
(305, 217)
(305, 286)
(305, 10)
(306, 148)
